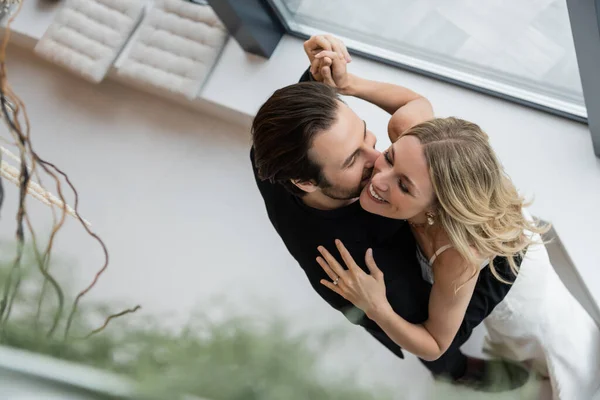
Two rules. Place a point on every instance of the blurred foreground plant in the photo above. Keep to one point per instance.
(235, 359)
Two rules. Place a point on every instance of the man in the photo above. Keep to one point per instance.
(312, 156)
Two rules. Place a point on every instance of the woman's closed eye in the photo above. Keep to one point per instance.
(402, 186)
(388, 159)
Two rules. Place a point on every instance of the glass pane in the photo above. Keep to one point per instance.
(522, 49)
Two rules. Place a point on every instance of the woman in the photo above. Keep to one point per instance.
(443, 177)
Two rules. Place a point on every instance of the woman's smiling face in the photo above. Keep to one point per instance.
(400, 187)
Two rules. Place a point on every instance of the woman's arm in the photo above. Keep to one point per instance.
(407, 107)
(387, 96)
(446, 306)
(446, 310)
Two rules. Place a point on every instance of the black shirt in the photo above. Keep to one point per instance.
(304, 228)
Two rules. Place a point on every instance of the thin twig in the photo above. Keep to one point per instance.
(22, 138)
(13, 127)
(36, 190)
(129, 311)
(24, 181)
(41, 261)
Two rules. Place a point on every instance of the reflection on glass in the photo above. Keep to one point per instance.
(523, 49)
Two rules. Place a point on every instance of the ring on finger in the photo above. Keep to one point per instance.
(336, 281)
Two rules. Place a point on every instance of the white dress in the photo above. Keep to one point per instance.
(539, 321)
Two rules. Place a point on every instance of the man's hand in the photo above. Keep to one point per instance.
(317, 44)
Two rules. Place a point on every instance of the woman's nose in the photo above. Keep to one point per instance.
(379, 180)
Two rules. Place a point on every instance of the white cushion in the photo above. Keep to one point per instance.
(175, 48)
(87, 35)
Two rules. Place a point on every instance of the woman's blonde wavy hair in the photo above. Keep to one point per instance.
(477, 204)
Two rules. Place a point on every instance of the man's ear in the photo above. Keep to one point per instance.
(306, 186)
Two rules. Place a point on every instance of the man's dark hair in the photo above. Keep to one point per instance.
(284, 129)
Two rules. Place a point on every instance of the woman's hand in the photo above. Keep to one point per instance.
(333, 70)
(318, 43)
(365, 291)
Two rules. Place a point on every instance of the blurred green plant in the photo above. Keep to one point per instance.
(238, 358)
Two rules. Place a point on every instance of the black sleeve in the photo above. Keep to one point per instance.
(307, 76)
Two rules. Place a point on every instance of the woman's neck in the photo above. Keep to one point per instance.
(418, 220)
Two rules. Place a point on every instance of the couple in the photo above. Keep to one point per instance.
(435, 221)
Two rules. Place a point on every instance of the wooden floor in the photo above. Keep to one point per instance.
(527, 44)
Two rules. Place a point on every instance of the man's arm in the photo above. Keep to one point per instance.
(387, 96)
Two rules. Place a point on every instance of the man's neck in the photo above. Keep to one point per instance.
(322, 202)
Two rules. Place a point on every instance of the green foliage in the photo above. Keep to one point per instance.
(236, 359)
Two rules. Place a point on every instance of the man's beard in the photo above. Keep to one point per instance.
(337, 193)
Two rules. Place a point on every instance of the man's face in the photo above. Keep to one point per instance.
(346, 153)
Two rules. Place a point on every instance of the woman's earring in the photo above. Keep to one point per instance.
(430, 217)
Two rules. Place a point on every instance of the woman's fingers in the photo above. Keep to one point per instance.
(337, 67)
(339, 47)
(347, 55)
(316, 44)
(323, 43)
(327, 269)
(373, 268)
(333, 287)
(327, 77)
(327, 53)
(332, 262)
(315, 69)
(347, 257)
(326, 42)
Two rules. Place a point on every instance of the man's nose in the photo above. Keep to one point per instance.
(380, 164)
(372, 156)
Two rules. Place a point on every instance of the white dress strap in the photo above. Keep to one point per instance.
(438, 252)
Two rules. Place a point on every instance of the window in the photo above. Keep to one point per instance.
(521, 50)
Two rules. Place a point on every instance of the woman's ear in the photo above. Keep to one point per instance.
(305, 186)
(433, 206)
